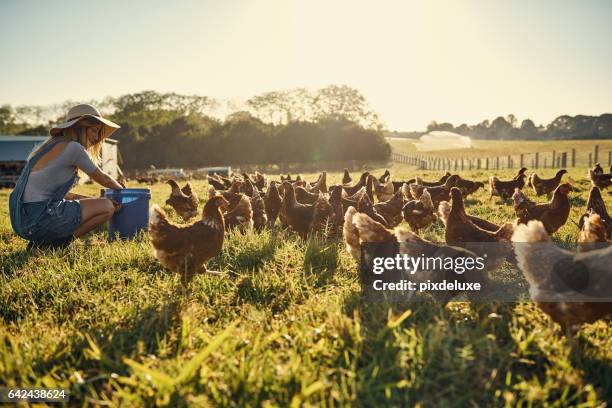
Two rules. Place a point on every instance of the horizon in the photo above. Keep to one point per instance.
(414, 62)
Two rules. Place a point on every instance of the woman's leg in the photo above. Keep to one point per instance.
(96, 211)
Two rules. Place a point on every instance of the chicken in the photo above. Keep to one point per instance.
(240, 216)
(260, 181)
(305, 197)
(216, 183)
(593, 233)
(319, 186)
(184, 249)
(359, 229)
(561, 282)
(322, 215)
(461, 228)
(444, 210)
(545, 186)
(335, 200)
(391, 210)
(437, 193)
(468, 187)
(596, 205)
(383, 191)
(350, 190)
(442, 180)
(260, 218)
(385, 177)
(350, 233)
(552, 214)
(505, 189)
(346, 178)
(419, 213)
(184, 202)
(272, 203)
(600, 179)
(298, 216)
(365, 206)
(370, 188)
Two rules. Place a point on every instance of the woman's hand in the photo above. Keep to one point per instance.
(115, 204)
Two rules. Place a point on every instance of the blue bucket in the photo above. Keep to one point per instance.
(133, 215)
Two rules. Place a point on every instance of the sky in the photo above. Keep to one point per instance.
(414, 61)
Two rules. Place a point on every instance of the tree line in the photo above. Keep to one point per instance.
(563, 127)
(172, 130)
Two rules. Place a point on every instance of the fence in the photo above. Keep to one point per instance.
(535, 160)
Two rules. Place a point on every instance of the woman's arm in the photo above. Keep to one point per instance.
(105, 180)
(75, 196)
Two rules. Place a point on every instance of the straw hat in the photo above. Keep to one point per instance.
(83, 111)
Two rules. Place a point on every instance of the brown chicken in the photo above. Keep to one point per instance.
(184, 202)
(335, 200)
(419, 213)
(365, 206)
(383, 191)
(350, 190)
(240, 216)
(561, 282)
(444, 210)
(385, 177)
(545, 186)
(593, 234)
(505, 189)
(272, 203)
(468, 187)
(600, 179)
(553, 214)
(184, 249)
(319, 186)
(596, 205)
(216, 183)
(437, 193)
(260, 218)
(461, 228)
(298, 216)
(322, 215)
(305, 197)
(391, 210)
(424, 183)
(260, 180)
(346, 177)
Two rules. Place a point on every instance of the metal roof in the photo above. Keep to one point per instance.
(19, 147)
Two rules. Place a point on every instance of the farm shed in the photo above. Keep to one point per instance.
(14, 151)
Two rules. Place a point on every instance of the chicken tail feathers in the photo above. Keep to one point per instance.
(534, 231)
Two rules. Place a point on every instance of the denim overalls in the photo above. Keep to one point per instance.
(44, 222)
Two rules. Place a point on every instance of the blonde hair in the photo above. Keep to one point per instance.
(77, 133)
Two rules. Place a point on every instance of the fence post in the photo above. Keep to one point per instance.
(545, 162)
(564, 159)
(522, 162)
(610, 158)
(590, 160)
(573, 157)
(497, 163)
(509, 162)
(596, 157)
(537, 160)
(478, 163)
(554, 158)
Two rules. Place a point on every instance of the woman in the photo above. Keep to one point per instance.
(42, 209)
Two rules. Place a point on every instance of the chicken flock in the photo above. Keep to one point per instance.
(372, 208)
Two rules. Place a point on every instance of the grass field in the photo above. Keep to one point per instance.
(285, 327)
(495, 148)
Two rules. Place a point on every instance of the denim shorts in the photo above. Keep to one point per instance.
(57, 221)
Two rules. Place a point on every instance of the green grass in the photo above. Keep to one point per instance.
(284, 327)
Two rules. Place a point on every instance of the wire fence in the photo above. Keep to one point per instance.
(551, 159)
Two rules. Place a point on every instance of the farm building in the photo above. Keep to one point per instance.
(14, 151)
